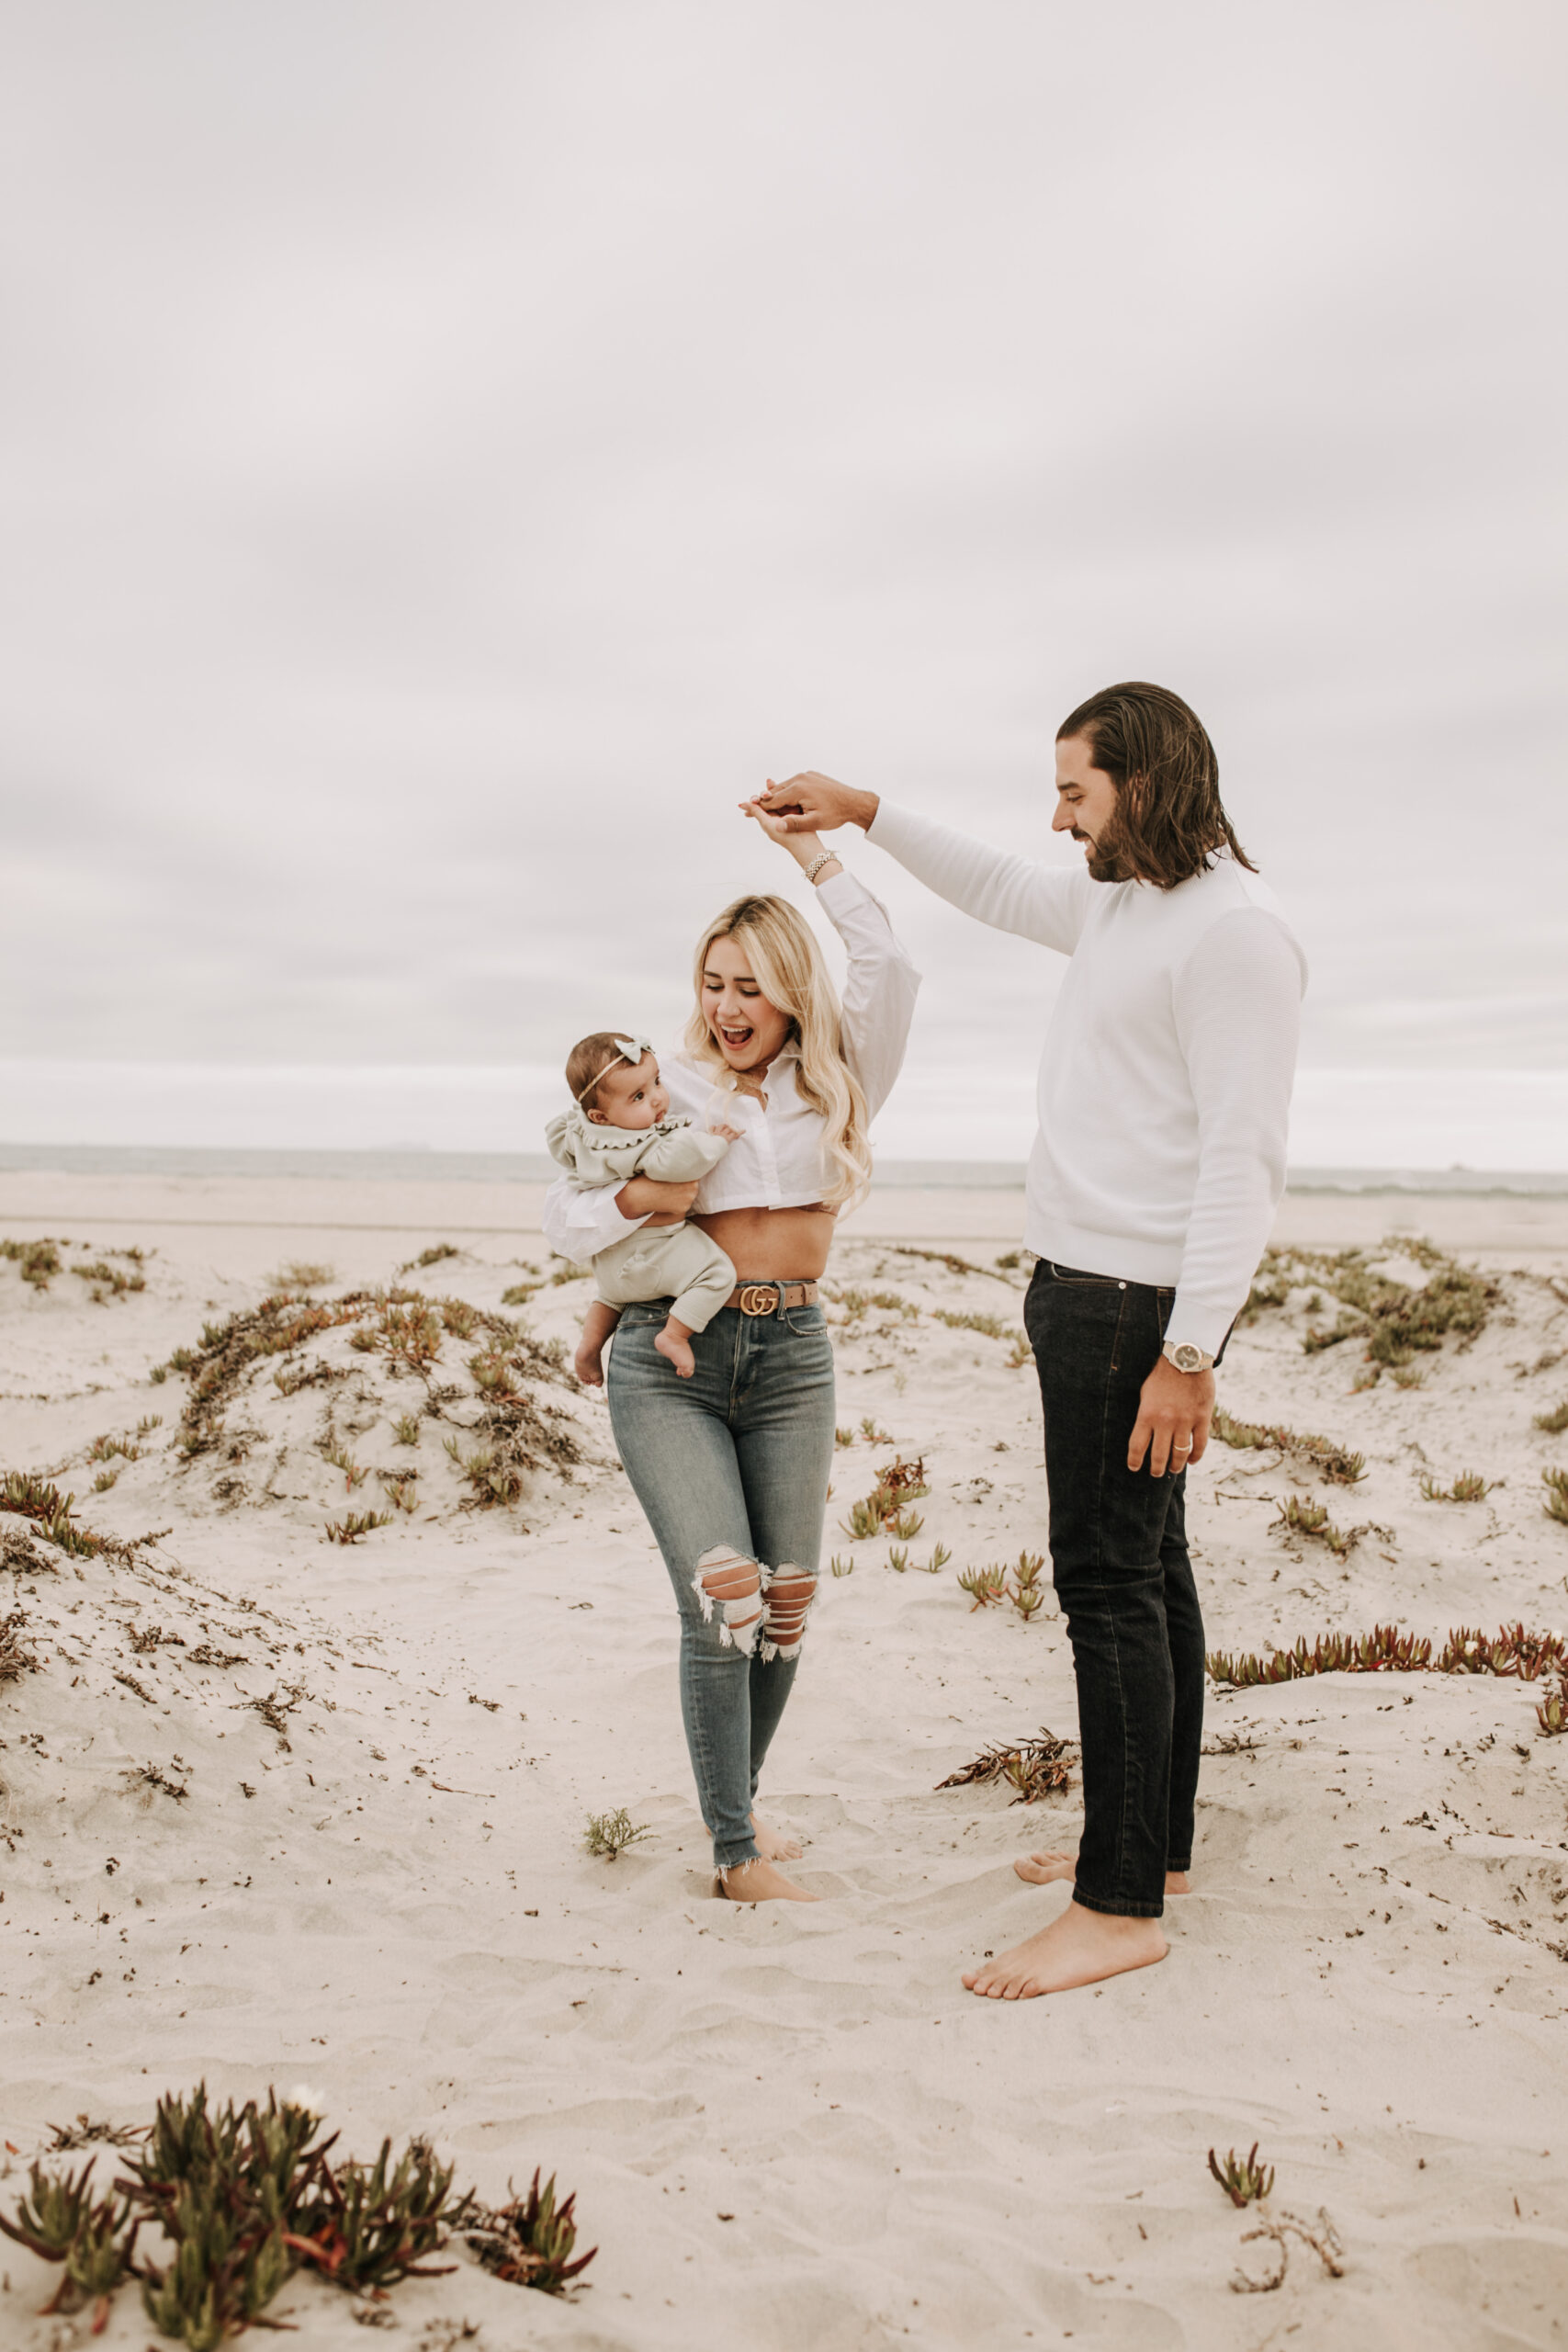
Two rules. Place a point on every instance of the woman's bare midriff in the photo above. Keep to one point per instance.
(772, 1245)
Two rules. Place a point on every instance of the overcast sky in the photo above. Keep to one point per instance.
(450, 453)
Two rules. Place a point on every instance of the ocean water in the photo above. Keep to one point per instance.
(953, 1122)
(537, 1167)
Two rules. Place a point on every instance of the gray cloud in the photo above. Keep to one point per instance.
(455, 453)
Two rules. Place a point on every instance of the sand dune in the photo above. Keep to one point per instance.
(788, 2126)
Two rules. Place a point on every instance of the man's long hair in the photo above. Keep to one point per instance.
(1170, 820)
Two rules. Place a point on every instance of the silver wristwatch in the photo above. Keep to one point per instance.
(1186, 1357)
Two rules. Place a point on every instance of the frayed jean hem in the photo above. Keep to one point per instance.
(1119, 1910)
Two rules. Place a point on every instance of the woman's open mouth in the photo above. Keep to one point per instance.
(734, 1041)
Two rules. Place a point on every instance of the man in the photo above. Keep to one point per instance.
(1164, 1092)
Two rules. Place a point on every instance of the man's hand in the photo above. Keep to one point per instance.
(810, 803)
(669, 1203)
(1175, 1409)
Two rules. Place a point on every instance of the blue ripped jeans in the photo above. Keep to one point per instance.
(731, 1469)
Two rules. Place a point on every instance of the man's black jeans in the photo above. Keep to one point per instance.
(1124, 1580)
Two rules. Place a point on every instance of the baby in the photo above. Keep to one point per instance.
(618, 1128)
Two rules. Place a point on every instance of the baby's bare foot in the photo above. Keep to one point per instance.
(678, 1352)
(775, 1844)
(589, 1365)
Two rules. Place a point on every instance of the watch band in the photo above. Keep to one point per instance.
(815, 868)
(1186, 1357)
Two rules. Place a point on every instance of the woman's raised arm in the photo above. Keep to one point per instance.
(881, 983)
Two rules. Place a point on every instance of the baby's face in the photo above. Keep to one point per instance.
(631, 1098)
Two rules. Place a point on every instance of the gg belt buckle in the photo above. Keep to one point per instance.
(760, 1298)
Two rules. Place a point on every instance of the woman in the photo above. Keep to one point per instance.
(731, 1466)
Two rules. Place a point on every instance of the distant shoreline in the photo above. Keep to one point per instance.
(534, 1167)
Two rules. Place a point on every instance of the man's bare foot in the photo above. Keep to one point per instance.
(1045, 1869)
(678, 1352)
(775, 1845)
(758, 1882)
(1082, 1947)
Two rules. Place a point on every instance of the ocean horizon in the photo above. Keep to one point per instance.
(1411, 1128)
(417, 1162)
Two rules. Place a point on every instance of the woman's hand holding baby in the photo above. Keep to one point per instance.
(648, 1196)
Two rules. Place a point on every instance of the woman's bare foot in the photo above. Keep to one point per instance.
(1045, 1869)
(673, 1343)
(758, 1882)
(775, 1845)
(1083, 1947)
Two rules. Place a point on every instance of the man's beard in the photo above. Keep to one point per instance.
(1110, 857)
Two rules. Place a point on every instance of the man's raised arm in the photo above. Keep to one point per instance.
(1042, 903)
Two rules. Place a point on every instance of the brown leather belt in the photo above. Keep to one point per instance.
(771, 1298)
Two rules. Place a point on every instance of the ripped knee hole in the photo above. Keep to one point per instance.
(728, 1577)
(790, 1594)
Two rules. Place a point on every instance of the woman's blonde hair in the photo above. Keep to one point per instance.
(787, 965)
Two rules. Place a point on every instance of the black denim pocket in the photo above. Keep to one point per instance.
(1074, 1278)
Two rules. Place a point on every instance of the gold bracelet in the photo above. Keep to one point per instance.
(827, 857)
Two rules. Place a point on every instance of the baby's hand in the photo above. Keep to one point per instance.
(730, 1135)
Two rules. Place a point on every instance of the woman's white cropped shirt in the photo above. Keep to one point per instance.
(779, 1163)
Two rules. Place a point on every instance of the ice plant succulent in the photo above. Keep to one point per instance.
(1243, 2178)
(60, 2219)
(1511, 1652)
(529, 2242)
(248, 2195)
(1467, 1487)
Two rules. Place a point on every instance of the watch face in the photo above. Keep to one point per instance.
(1189, 1359)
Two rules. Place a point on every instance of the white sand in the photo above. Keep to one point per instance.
(790, 2127)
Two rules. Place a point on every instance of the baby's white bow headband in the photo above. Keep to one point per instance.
(627, 1049)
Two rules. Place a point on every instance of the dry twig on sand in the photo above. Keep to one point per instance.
(1321, 2236)
(608, 1835)
(16, 1659)
(1040, 1767)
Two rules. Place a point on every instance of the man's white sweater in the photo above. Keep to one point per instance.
(1164, 1083)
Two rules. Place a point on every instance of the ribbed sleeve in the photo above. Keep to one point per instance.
(1238, 1002)
(880, 985)
(1047, 903)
